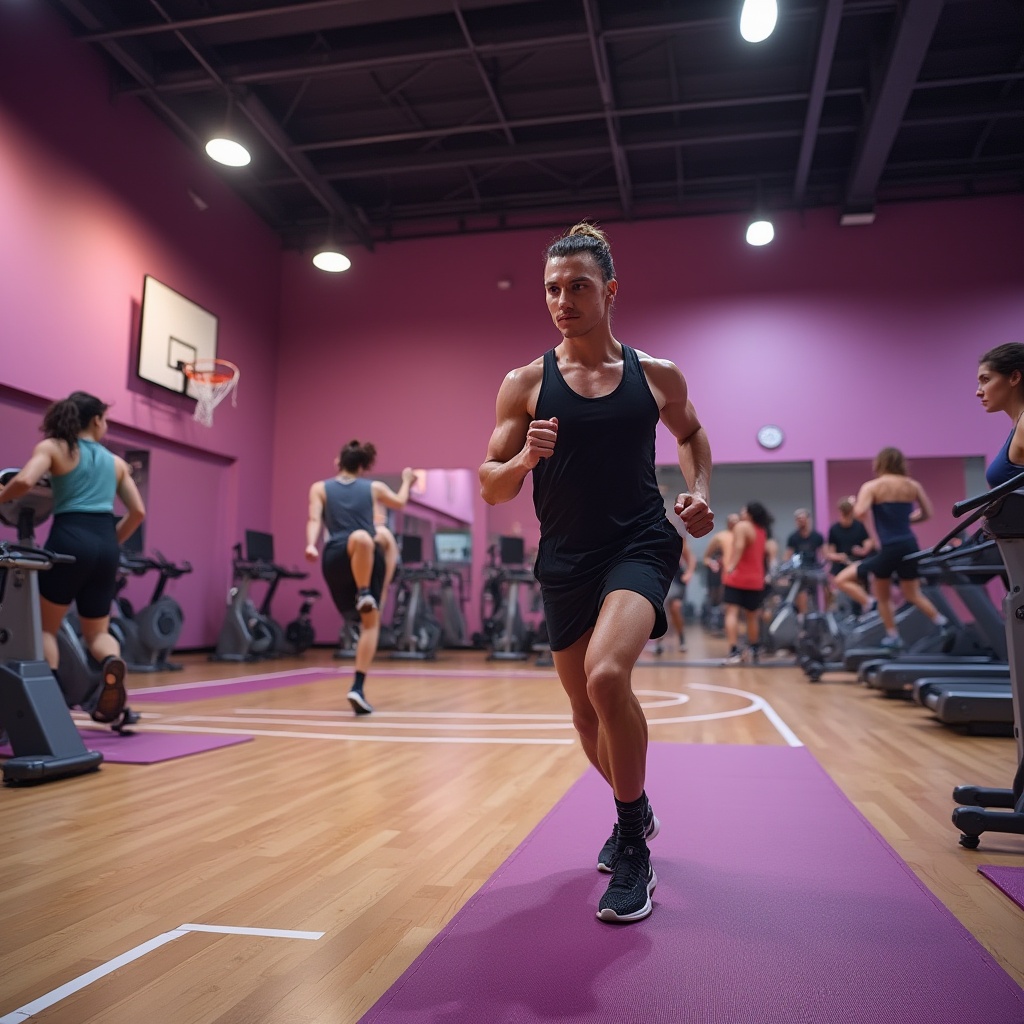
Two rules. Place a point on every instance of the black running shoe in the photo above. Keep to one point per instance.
(606, 858)
(112, 696)
(360, 705)
(628, 896)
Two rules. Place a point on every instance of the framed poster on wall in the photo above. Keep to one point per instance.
(172, 330)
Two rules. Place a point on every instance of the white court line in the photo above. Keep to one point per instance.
(179, 687)
(525, 717)
(761, 705)
(23, 1013)
(366, 737)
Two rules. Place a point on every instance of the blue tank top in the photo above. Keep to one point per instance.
(1001, 469)
(91, 485)
(599, 488)
(892, 521)
(349, 506)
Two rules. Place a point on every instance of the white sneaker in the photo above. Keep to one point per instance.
(366, 603)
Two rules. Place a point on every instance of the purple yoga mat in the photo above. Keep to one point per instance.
(777, 903)
(1010, 880)
(144, 747)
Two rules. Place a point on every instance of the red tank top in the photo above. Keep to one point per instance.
(749, 573)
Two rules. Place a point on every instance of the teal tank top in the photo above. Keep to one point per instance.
(91, 485)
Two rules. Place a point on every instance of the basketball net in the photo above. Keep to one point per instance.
(211, 381)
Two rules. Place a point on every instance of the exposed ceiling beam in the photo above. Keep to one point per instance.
(914, 28)
(482, 72)
(816, 99)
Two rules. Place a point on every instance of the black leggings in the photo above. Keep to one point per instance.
(338, 574)
(91, 582)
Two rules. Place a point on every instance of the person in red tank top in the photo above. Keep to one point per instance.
(743, 579)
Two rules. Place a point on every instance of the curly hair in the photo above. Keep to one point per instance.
(64, 420)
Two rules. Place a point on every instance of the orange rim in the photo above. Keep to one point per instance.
(220, 372)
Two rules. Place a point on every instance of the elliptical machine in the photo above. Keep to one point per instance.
(148, 636)
(416, 629)
(507, 634)
(33, 710)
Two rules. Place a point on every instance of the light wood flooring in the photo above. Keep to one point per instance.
(375, 832)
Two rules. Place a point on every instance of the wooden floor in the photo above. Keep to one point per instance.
(374, 832)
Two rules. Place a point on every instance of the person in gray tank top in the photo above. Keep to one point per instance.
(85, 478)
(359, 554)
(581, 419)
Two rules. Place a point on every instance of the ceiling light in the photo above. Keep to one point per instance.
(227, 152)
(757, 19)
(329, 259)
(760, 232)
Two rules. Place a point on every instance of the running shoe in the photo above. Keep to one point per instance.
(366, 602)
(735, 657)
(628, 896)
(890, 643)
(609, 852)
(360, 705)
(112, 697)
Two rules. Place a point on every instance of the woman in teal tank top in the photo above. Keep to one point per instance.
(85, 478)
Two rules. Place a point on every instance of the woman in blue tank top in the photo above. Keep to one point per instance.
(895, 501)
(85, 477)
(1001, 389)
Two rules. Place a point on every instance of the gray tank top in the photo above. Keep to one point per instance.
(349, 506)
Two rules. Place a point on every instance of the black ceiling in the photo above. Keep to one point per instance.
(406, 118)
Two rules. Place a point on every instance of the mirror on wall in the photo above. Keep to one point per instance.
(782, 487)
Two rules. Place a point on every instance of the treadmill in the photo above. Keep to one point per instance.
(984, 809)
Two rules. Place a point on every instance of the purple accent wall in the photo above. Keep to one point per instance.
(847, 338)
(850, 339)
(93, 196)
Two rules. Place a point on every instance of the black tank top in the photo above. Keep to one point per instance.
(348, 507)
(599, 488)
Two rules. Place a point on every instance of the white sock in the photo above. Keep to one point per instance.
(940, 620)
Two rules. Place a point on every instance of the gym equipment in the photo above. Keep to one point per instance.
(416, 629)
(506, 633)
(79, 675)
(796, 576)
(245, 634)
(299, 633)
(147, 637)
(33, 712)
(985, 809)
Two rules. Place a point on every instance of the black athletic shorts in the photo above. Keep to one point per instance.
(91, 582)
(888, 560)
(338, 574)
(751, 600)
(573, 596)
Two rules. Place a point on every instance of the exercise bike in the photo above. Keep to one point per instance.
(148, 636)
(245, 634)
(34, 711)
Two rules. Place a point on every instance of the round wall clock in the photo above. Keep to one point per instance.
(769, 436)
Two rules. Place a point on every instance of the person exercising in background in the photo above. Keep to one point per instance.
(85, 478)
(890, 498)
(582, 420)
(848, 542)
(806, 542)
(354, 564)
(744, 578)
(1001, 389)
(675, 602)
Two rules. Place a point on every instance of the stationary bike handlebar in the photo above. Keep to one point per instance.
(27, 556)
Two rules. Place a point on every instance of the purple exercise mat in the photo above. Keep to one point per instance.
(1010, 880)
(777, 903)
(144, 747)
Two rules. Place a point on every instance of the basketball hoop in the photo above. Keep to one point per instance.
(210, 381)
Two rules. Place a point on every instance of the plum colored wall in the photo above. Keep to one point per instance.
(850, 339)
(93, 196)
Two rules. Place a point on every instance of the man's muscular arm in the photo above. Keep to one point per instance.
(518, 442)
(694, 451)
